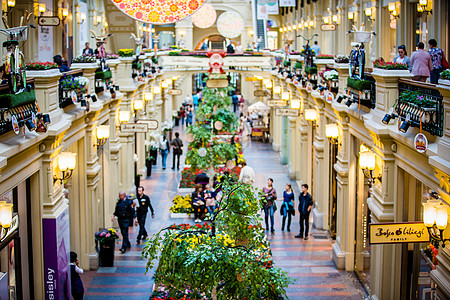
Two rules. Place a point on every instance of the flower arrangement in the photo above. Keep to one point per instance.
(126, 52)
(84, 59)
(166, 125)
(445, 74)
(182, 204)
(112, 56)
(324, 56)
(331, 75)
(38, 66)
(417, 98)
(390, 66)
(174, 47)
(105, 236)
(341, 59)
(174, 53)
(68, 82)
(431, 252)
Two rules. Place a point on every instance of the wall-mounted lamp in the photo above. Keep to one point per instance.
(294, 27)
(124, 116)
(311, 23)
(335, 19)
(156, 90)
(164, 84)
(295, 104)
(332, 133)
(300, 25)
(42, 8)
(422, 7)
(97, 20)
(66, 164)
(285, 96)
(11, 3)
(351, 15)
(105, 24)
(138, 104)
(370, 13)
(277, 89)
(404, 126)
(102, 134)
(267, 83)
(311, 115)
(148, 96)
(81, 17)
(64, 13)
(392, 7)
(6, 216)
(306, 24)
(281, 29)
(435, 217)
(367, 160)
(326, 20)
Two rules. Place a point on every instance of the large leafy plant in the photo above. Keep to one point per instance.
(231, 259)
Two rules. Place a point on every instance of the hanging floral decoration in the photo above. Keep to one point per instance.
(159, 11)
(205, 16)
(230, 24)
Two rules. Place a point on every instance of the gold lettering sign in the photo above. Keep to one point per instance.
(392, 233)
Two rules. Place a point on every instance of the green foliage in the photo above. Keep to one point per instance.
(231, 257)
(445, 74)
(223, 152)
(125, 52)
(311, 70)
(287, 63)
(417, 98)
(358, 84)
(228, 119)
(298, 65)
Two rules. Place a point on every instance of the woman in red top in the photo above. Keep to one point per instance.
(182, 115)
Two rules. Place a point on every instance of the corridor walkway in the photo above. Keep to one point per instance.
(309, 262)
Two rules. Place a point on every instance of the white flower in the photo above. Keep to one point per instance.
(330, 75)
(83, 81)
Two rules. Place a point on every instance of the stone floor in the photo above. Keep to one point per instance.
(309, 262)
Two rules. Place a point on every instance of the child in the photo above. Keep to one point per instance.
(210, 202)
(75, 271)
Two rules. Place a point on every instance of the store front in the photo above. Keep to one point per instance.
(15, 244)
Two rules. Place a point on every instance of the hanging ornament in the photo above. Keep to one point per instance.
(190, 137)
(210, 173)
(15, 124)
(218, 125)
(205, 16)
(230, 164)
(159, 11)
(202, 152)
(230, 24)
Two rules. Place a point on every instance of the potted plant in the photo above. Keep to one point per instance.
(444, 77)
(41, 69)
(332, 77)
(105, 243)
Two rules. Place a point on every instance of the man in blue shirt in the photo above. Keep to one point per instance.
(316, 48)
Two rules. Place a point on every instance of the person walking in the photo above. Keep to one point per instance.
(198, 203)
(247, 174)
(402, 57)
(316, 48)
(177, 145)
(304, 208)
(287, 207)
(123, 212)
(437, 59)
(421, 63)
(270, 196)
(142, 210)
(189, 117)
(76, 284)
(182, 115)
(235, 100)
(164, 150)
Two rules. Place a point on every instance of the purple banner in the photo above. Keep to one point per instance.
(56, 257)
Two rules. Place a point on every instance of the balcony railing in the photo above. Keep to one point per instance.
(66, 96)
(431, 116)
(20, 110)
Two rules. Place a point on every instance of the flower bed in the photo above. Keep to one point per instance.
(331, 75)
(39, 66)
(390, 66)
(445, 75)
(324, 56)
(182, 204)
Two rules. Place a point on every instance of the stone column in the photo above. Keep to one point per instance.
(124, 73)
(293, 153)
(184, 33)
(88, 72)
(127, 146)
(343, 70)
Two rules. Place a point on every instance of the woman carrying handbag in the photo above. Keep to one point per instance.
(287, 208)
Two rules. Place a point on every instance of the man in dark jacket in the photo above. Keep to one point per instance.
(235, 100)
(177, 145)
(142, 210)
(123, 212)
(305, 204)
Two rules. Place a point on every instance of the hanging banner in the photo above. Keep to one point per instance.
(287, 3)
(271, 6)
(56, 243)
(392, 233)
(261, 13)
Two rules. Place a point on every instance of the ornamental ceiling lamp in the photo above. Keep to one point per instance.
(230, 24)
(124, 116)
(159, 12)
(205, 17)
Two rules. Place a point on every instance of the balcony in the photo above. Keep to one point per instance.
(421, 105)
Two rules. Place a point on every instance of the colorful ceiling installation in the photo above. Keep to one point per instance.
(205, 16)
(230, 24)
(158, 11)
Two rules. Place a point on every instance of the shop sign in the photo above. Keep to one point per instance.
(48, 21)
(261, 93)
(329, 97)
(328, 27)
(133, 127)
(287, 112)
(420, 143)
(276, 103)
(175, 92)
(217, 83)
(152, 124)
(393, 233)
(8, 231)
(309, 87)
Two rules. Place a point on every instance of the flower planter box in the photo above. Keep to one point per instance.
(43, 73)
(75, 66)
(359, 85)
(327, 61)
(391, 73)
(181, 190)
(106, 254)
(181, 216)
(445, 82)
(311, 70)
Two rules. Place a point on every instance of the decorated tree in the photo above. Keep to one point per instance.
(229, 259)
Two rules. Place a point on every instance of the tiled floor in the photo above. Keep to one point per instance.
(309, 262)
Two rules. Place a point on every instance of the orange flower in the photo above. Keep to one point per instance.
(173, 7)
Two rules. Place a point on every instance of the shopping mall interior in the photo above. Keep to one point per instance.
(210, 149)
